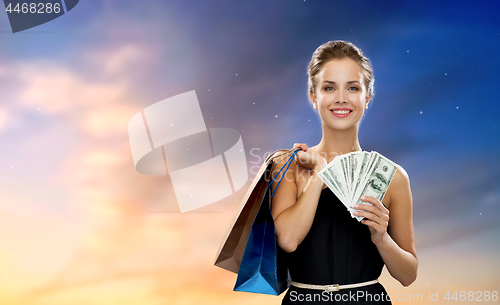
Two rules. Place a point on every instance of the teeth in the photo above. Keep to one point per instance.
(341, 111)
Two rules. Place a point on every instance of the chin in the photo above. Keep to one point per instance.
(342, 127)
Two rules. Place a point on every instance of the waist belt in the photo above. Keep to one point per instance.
(333, 287)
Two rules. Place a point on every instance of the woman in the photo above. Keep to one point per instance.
(325, 246)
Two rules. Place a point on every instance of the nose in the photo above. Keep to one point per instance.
(341, 98)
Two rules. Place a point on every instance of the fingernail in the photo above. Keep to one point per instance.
(363, 197)
(356, 205)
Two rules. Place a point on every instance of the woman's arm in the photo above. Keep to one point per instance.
(293, 217)
(393, 235)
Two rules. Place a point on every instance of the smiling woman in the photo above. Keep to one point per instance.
(331, 256)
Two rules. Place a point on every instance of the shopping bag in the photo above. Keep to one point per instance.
(263, 267)
(232, 248)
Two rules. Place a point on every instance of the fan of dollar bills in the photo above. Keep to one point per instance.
(357, 174)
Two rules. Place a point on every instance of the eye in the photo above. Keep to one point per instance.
(354, 88)
(329, 88)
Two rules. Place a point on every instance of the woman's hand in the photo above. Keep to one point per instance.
(309, 159)
(377, 217)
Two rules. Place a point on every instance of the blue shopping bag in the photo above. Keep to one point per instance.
(263, 267)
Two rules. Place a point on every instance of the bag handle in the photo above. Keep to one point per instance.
(287, 164)
(287, 151)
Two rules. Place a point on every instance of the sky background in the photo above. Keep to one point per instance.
(78, 224)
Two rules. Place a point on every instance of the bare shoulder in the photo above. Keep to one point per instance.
(401, 176)
(399, 187)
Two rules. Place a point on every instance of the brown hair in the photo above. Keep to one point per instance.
(339, 49)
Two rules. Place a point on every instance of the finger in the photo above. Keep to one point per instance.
(303, 149)
(364, 214)
(375, 202)
(370, 208)
(382, 221)
(302, 146)
(304, 159)
(384, 216)
(380, 229)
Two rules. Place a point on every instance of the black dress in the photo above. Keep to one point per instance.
(337, 250)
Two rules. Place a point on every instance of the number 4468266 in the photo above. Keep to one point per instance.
(34, 8)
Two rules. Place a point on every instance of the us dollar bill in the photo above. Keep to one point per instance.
(330, 182)
(359, 162)
(377, 181)
(357, 174)
(333, 181)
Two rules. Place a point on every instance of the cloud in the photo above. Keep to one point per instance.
(3, 118)
(58, 89)
(104, 237)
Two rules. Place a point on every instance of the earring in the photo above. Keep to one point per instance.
(366, 106)
(314, 106)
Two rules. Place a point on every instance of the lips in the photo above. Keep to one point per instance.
(341, 112)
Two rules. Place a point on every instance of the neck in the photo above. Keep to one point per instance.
(338, 142)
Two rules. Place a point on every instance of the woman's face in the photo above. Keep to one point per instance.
(340, 93)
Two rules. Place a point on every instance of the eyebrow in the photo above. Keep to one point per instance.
(350, 82)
